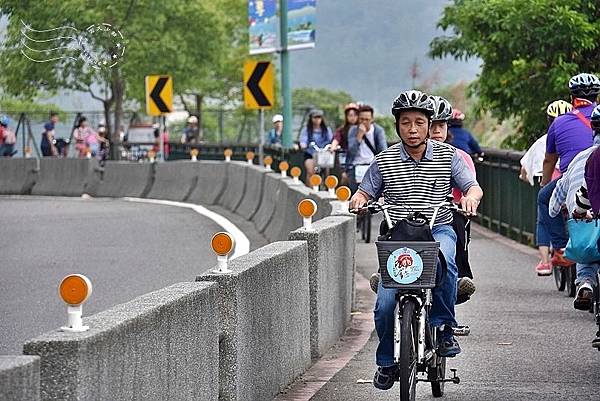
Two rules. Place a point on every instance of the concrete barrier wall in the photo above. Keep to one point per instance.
(272, 189)
(19, 378)
(121, 179)
(264, 321)
(174, 180)
(253, 194)
(17, 176)
(160, 346)
(236, 185)
(65, 177)
(331, 260)
(212, 181)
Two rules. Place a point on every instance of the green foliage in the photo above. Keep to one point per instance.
(388, 123)
(331, 102)
(529, 50)
(12, 105)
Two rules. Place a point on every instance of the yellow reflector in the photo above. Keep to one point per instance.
(331, 181)
(343, 193)
(222, 243)
(268, 160)
(74, 289)
(194, 152)
(228, 153)
(307, 208)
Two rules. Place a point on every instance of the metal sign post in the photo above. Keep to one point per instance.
(161, 140)
(261, 133)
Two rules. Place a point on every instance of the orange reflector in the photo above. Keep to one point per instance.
(222, 243)
(250, 156)
(295, 172)
(268, 160)
(228, 153)
(315, 180)
(284, 166)
(151, 154)
(194, 152)
(27, 149)
(307, 208)
(343, 193)
(74, 289)
(331, 181)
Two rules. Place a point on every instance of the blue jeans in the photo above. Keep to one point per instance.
(587, 272)
(444, 299)
(549, 230)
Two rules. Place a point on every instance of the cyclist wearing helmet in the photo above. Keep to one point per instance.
(439, 132)
(191, 133)
(7, 147)
(461, 138)
(365, 141)
(340, 137)
(413, 173)
(274, 135)
(568, 135)
(565, 194)
(531, 167)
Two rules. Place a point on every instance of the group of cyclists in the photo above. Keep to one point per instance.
(563, 161)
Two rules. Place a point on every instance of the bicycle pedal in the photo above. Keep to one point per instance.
(461, 331)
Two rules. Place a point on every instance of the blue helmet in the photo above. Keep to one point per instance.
(584, 84)
(595, 118)
(4, 120)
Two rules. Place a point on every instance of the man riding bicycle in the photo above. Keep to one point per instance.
(414, 173)
(365, 141)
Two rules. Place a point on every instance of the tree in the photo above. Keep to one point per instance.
(528, 49)
(197, 42)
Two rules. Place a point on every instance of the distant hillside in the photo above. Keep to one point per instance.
(367, 48)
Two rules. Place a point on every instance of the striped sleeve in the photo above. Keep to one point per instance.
(582, 202)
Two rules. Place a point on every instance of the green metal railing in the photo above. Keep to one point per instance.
(509, 205)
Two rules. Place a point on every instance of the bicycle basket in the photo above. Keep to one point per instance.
(324, 159)
(407, 264)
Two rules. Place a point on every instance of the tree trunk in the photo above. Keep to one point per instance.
(118, 93)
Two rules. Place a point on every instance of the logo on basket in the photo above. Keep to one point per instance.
(405, 266)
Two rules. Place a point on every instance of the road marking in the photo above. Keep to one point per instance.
(242, 243)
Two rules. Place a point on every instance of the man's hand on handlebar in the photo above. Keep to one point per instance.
(469, 205)
(358, 200)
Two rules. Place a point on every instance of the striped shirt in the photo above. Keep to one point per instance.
(570, 182)
(416, 184)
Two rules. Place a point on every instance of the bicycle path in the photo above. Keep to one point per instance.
(526, 343)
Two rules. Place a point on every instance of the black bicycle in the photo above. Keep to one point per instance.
(411, 268)
(363, 222)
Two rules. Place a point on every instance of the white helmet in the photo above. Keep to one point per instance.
(277, 118)
(192, 120)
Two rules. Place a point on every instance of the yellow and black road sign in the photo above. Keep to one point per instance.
(259, 91)
(159, 94)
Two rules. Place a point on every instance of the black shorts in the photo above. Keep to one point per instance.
(307, 156)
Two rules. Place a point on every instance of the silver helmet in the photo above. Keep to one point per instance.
(442, 109)
(413, 100)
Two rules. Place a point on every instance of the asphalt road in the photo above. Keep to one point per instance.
(526, 343)
(126, 249)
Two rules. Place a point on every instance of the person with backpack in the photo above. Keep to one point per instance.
(568, 135)
(365, 141)
(7, 147)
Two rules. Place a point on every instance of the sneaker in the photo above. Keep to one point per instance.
(448, 347)
(465, 286)
(583, 296)
(558, 259)
(374, 282)
(544, 269)
(385, 377)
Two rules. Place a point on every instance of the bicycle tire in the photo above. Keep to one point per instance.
(560, 278)
(435, 373)
(368, 228)
(408, 352)
(571, 275)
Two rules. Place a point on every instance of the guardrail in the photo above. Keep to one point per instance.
(281, 306)
(509, 204)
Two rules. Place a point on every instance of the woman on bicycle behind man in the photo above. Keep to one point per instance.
(410, 174)
(365, 141)
(340, 138)
(316, 133)
(439, 132)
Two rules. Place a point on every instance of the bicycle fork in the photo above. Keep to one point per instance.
(420, 310)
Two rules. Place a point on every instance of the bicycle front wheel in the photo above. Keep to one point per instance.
(408, 352)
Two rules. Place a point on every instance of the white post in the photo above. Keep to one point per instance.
(284, 173)
(250, 161)
(315, 188)
(222, 265)
(296, 180)
(344, 206)
(307, 223)
(227, 158)
(74, 322)
(268, 167)
(332, 192)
